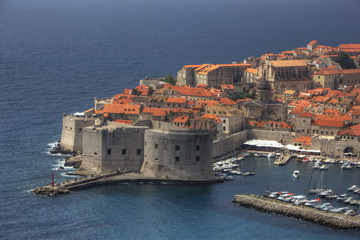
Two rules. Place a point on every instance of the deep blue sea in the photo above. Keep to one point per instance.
(56, 56)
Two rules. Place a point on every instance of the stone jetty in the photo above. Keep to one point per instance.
(114, 178)
(333, 220)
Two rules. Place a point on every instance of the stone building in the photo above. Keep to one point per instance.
(286, 74)
(212, 75)
(232, 119)
(332, 78)
(115, 146)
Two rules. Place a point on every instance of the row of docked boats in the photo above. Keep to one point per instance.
(230, 167)
(315, 203)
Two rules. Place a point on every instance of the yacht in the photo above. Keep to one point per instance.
(353, 188)
(271, 155)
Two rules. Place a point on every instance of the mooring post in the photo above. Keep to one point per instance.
(52, 182)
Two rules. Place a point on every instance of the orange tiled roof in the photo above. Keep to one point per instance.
(297, 110)
(89, 110)
(329, 123)
(211, 116)
(335, 117)
(190, 91)
(351, 131)
(176, 100)
(206, 68)
(252, 70)
(306, 115)
(304, 140)
(312, 42)
(208, 102)
(123, 121)
(159, 112)
(289, 63)
(228, 86)
(350, 45)
(122, 108)
(227, 101)
(180, 119)
(127, 91)
(192, 66)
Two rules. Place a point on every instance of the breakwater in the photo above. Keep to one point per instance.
(333, 220)
(115, 178)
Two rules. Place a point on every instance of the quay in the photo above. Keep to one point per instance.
(284, 159)
(112, 179)
(333, 220)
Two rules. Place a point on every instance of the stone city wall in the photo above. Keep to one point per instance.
(228, 144)
(280, 136)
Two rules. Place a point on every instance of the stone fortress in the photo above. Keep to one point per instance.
(177, 132)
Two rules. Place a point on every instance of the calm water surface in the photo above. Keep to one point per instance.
(56, 56)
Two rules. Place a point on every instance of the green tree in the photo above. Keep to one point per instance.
(169, 78)
(151, 91)
(135, 92)
(345, 61)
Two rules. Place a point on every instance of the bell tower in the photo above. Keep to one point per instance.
(263, 91)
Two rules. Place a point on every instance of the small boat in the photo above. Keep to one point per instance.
(316, 166)
(342, 197)
(354, 202)
(332, 196)
(248, 173)
(353, 188)
(324, 167)
(296, 173)
(348, 199)
(346, 166)
(227, 178)
(271, 155)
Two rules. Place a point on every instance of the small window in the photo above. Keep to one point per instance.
(224, 128)
(156, 146)
(177, 159)
(70, 128)
(224, 121)
(138, 151)
(123, 151)
(109, 151)
(197, 158)
(177, 147)
(80, 129)
(156, 159)
(95, 153)
(197, 148)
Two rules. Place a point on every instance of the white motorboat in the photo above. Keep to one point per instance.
(324, 167)
(296, 173)
(352, 188)
(271, 155)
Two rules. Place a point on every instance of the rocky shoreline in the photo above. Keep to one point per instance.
(333, 220)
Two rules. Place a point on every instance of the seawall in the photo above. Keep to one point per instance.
(333, 220)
